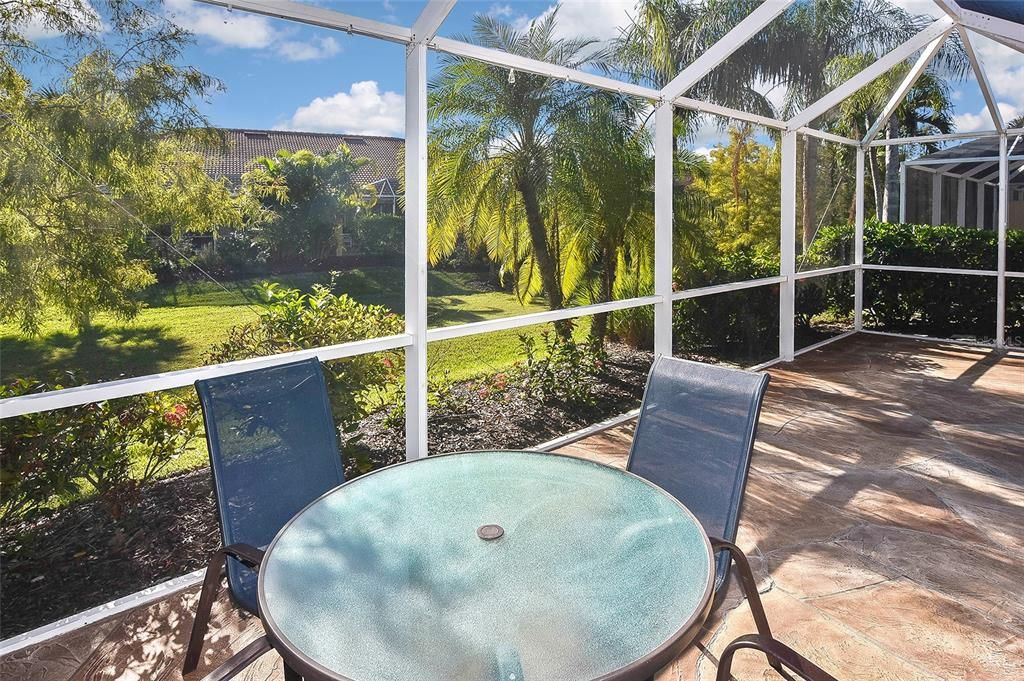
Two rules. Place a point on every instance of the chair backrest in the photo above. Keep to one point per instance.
(273, 449)
(694, 439)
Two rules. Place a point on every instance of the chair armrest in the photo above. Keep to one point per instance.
(247, 554)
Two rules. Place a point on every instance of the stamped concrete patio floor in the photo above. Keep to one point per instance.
(884, 517)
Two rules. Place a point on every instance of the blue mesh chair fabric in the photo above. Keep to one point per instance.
(273, 450)
(694, 439)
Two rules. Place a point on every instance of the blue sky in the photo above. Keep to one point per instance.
(285, 75)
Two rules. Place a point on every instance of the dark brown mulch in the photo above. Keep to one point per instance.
(64, 562)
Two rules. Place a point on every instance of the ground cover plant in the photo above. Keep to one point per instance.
(172, 527)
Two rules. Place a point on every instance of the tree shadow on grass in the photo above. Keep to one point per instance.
(459, 311)
(99, 353)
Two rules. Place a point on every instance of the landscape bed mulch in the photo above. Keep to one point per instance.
(62, 562)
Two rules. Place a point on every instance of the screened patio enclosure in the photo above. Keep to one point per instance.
(979, 183)
(1000, 168)
(960, 186)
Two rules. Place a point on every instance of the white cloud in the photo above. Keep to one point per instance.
(319, 48)
(246, 31)
(1004, 68)
(601, 19)
(500, 11)
(927, 7)
(87, 17)
(233, 29)
(982, 120)
(363, 110)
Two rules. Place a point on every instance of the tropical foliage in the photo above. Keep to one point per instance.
(307, 201)
(95, 164)
(114, 446)
(291, 320)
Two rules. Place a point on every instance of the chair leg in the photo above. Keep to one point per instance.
(749, 586)
(211, 585)
(788, 657)
(239, 661)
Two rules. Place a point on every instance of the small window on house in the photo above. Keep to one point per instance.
(256, 135)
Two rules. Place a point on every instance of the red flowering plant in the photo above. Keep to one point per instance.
(115, 446)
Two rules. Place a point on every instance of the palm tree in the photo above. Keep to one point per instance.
(822, 31)
(925, 110)
(792, 51)
(492, 153)
(608, 216)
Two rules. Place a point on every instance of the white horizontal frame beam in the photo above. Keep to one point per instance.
(983, 82)
(940, 27)
(957, 161)
(724, 47)
(941, 138)
(922, 337)
(904, 87)
(821, 344)
(519, 321)
(540, 68)
(931, 270)
(824, 272)
(726, 112)
(1003, 40)
(726, 288)
(318, 16)
(96, 392)
(990, 25)
(430, 19)
(821, 134)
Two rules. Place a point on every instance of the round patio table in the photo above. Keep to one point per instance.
(503, 566)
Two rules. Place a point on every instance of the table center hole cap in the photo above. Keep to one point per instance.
(490, 532)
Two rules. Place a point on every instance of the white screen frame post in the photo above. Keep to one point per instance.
(1004, 215)
(787, 248)
(664, 154)
(858, 245)
(416, 250)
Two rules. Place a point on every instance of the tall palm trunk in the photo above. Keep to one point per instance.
(810, 173)
(891, 211)
(539, 241)
(609, 264)
(876, 184)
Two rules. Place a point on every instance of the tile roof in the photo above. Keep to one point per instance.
(244, 146)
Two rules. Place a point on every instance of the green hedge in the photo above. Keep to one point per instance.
(379, 235)
(940, 305)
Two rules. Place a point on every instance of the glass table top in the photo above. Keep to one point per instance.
(486, 565)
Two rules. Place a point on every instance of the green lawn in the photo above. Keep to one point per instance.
(180, 322)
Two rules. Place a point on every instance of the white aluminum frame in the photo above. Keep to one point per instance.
(423, 36)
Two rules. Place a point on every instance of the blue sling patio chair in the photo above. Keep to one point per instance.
(273, 450)
(694, 439)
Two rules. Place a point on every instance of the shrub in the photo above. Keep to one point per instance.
(936, 304)
(116, 445)
(379, 235)
(291, 320)
(234, 254)
(561, 369)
